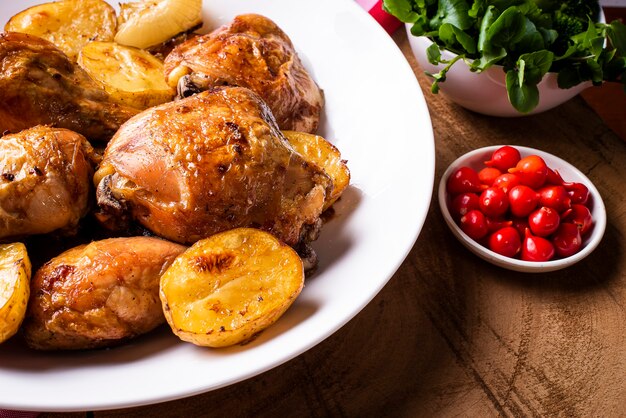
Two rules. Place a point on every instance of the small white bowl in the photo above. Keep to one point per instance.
(475, 160)
(486, 92)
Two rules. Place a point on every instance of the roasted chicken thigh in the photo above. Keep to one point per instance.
(45, 180)
(208, 163)
(39, 85)
(253, 52)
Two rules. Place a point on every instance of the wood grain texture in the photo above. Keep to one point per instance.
(451, 335)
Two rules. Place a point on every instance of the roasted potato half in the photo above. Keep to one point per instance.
(15, 273)
(99, 294)
(325, 155)
(146, 23)
(227, 288)
(133, 77)
(69, 24)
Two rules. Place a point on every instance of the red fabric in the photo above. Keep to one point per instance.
(387, 21)
(5, 413)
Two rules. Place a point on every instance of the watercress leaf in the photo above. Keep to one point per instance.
(488, 58)
(530, 9)
(420, 26)
(488, 19)
(402, 9)
(549, 35)
(504, 4)
(617, 36)
(595, 71)
(433, 53)
(535, 65)
(453, 37)
(453, 12)
(615, 68)
(490, 54)
(531, 40)
(596, 46)
(477, 9)
(569, 77)
(507, 29)
(525, 96)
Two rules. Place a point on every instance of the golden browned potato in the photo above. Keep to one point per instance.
(146, 23)
(14, 288)
(133, 77)
(318, 151)
(69, 24)
(99, 294)
(45, 181)
(227, 288)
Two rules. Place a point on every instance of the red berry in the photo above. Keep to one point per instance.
(473, 223)
(506, 241)
(536, 248)
(522, 200)
(493, 202)
(544, 221)
(555, 197)
(504, 158)
(464, 180)
(554, 178)
(506, 181)
(578, 192)
(567, 240)
(579, 215)
(488, 174)
(521, 224)
(493, 224)
(532, 171)
(462, 204)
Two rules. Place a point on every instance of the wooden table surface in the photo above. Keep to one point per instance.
(451, 335)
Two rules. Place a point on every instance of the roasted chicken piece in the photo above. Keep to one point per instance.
(211, 162)
(253, 52)
(39, 85)
(45, 181)
(99, 294)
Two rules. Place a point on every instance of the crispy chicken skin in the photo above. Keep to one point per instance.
(211, 162)
(39, 85)
(253, 52)
(45, 181)
(99, 294)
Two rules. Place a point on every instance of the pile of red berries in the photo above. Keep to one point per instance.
(519, 207)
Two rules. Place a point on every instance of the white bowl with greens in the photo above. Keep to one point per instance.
(513, 57)
(486, 92)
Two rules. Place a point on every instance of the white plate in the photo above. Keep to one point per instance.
(377, 117)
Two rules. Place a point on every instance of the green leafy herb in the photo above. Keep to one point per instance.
(528, 38)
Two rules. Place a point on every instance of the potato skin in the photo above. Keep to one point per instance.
(227, 288)
(98, 294)
(317, 150)
(69, 24)
(15, 271)
(133, 77)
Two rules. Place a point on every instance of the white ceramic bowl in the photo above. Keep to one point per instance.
(486, 92)
(475, 159)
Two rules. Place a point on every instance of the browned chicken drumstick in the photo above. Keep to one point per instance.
(45, 178)
(214, 161)
(39, 85)
(253, 52)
